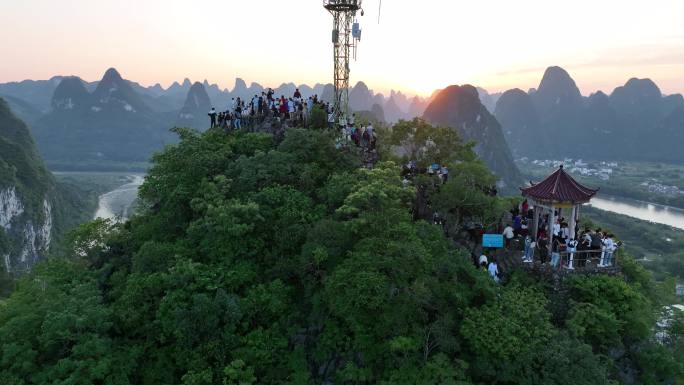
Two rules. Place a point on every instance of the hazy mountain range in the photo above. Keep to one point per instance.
(78, 124)
(34, 98)
(634, 122)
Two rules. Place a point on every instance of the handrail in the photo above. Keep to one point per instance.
(579, 259)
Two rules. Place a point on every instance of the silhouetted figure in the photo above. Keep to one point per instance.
(212, 117)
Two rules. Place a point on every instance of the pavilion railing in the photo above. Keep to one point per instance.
(582, 259)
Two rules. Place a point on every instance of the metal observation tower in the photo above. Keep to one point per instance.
(346, 35)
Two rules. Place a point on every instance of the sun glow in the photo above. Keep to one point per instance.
(498, 44)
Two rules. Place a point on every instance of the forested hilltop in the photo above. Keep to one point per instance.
(278, 260)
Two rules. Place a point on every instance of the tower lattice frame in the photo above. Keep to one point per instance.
(344, 13)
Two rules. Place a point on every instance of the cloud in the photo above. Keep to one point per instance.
(666, 53)
(522, 71)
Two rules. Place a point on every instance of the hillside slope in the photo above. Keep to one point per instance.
(34, 209)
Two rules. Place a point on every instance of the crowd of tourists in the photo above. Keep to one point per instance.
(242, 112)
(411, 168)
(584, 246)
(296, 110)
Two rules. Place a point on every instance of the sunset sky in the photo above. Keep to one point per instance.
(418, 46)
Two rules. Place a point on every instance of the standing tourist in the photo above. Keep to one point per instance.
(212, 117)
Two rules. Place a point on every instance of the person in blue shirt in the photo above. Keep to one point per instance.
(517, 224)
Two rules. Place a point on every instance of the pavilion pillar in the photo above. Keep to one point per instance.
(535, 230)
(573, 235)
(573, 222)
(577, 215)
(552, 221)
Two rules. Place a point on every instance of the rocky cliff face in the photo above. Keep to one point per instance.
(27, 195)
(27, 239)
(520, 122)
(459, 107)
(196, 108)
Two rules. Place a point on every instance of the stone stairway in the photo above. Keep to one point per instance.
(511, 259)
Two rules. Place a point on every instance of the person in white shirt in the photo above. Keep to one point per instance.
(494, 271)
(556, 229)
(508, 235)
(483, 261)
(565, 232)
(255, 101)
(291, 108)
(608, 249)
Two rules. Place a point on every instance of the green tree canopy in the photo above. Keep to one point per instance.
(264, 261)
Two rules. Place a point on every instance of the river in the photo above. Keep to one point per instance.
(117, 203)
(647, 211)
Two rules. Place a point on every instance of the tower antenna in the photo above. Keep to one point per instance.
(346, 35)
(379, 10)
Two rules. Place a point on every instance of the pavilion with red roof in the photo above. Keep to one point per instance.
(558, 192)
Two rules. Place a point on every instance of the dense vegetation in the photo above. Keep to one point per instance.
(265, 262)
(23, 171)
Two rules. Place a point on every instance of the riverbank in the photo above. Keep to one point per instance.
(118, 204)
(113, 192)
(649, 182)
(645, 211)
(659, 247)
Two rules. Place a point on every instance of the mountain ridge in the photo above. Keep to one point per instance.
(460, 108)
(630, 123)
